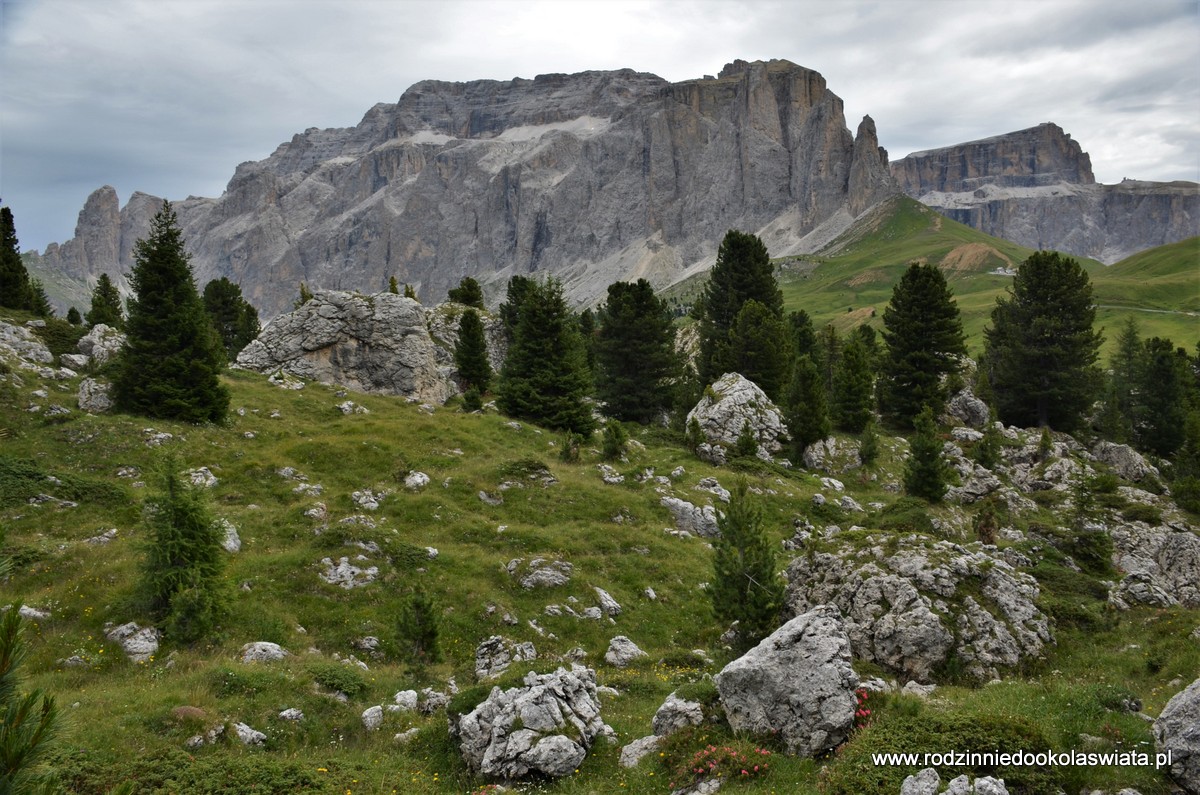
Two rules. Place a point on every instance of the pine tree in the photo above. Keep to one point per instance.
(987, 449)
(826, 353)
(760, 349)
(868, 446)
(510, 310)
(234, 319)
(745, 586)
(181, 574)
(804, 336)
(417, 629)
(305, 296)
(393, 287)
(28, 722)
(588, 331)
(39, 303)
(409, 292)
(106, 304)
(470, 353)
(1040, 348)
(924, 337)
(743, 272)
(853, 388)
(925, 472)
(635, 353)
(746, 445)
(73, 317)
(613, 440)
(1162, 397)
(544, 378)
(170, 364)
(807, 417)
(14, 278)
(468, 292)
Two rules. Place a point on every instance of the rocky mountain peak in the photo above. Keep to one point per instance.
(1041, 155)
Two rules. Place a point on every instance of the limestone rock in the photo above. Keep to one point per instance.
(490, 178)
(1124, 460)
(95, 396)
(908, 609)
(927, 782)
(731, 402)
(622, 652)
(138, 643)
(968, 409)
(832, 455)
(541, 573)
(638, 749)
(494, 655)
(262, 651)
(676, 713)
(611, 607)
(443, 320)
(1035, 187)
(798, 683)
(249, 736)
(1178, 730)
(347, 575)
(699, 521)
(376, 344)
(230, 541)
(291, 714)
(21, 344)
(372, 718)
(76, 361)
(543, 728)
(1161, 565)
(102, 343)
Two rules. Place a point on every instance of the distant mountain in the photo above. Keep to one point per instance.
(591, 177)
(1035, 187)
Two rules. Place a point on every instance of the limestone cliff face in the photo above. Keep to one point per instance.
(1035, 187)
(591, 177)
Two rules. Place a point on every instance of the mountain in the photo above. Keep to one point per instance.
(590, 177)
(1035, 187)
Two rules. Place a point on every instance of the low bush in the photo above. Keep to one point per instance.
(339, 677)
(907, 515)
(1139, 512)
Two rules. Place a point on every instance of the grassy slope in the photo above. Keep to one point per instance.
(116, 707)
(855, 275)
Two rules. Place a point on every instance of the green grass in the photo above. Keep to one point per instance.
(850, 281)
(120, 723)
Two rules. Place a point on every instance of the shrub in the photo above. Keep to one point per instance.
(747, 442)
(614, 440)
(855, 772)
(906, 515)
(472, 400)
(689, 760)
(569, 448)
(60, 336)
(339, 677)
(693, 437)
(1139, 512)
(417, 629)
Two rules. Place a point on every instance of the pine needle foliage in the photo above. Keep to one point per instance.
(28, 722)
(106, 305)
(545, 378)
(635, 353)
(743, 272)
(1041, 349)
(172, 358)
(470, 353)
(183, 565)
(925, 472)
(924, 337)
(417, 630)
(745, 586)
(760, 348)
(853, 387)
(15, 291)
(233, 317)
(806, 413)
(468, 292)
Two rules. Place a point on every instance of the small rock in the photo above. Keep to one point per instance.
(638, 749)
(406, 699)
(416, 481)
(622, 651)
(372, 718)
(230, 541)
(291, 714)
(249, 736)
(262, 651)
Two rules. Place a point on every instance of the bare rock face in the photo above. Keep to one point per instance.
(590, 177)
(376, 343)
(101, 343)
(797, 683)
(544, 728)
(909, 609)
(1178, 730)
(1161, 565)
(1035, 187)
(494, 655)
(731, 402)
(22, 345)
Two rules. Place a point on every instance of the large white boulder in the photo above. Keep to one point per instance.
(729, 404)
(545, 727)
(1177, 730)
(798, 683)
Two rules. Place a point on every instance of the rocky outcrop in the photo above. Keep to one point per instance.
(494, 655)
(1177, 730)
(797, 684)
(1161, 566)
(911, 605)
(928, 782)
(545, 727)
(21, 345)
(591, 177)
(1035, 187)
(102, 343)
(730, 403)
(377, 343)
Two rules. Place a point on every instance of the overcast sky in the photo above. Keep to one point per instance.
(168, 96)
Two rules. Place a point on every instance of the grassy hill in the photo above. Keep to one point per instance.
(124, 721)
(850, 281)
